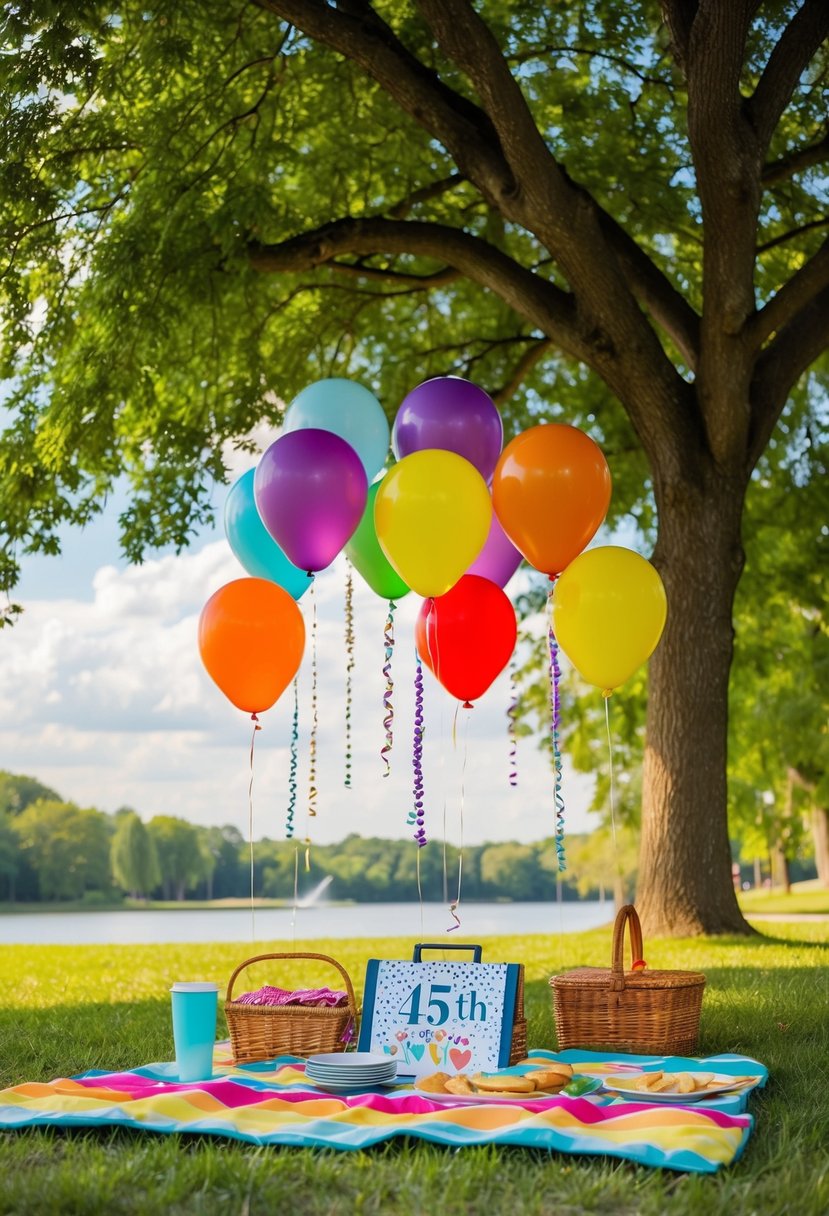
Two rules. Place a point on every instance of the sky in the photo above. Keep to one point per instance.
(103, 697)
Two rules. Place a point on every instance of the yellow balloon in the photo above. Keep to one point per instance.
(432, 515)
(609, 610)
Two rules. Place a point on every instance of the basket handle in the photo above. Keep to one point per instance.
(626, 916)
(417, 953)
(323, 958)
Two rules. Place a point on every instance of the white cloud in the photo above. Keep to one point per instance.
(108, 703)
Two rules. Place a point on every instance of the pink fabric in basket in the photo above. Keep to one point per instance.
(268, 995)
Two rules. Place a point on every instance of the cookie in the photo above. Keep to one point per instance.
(435, 1083)
(502, 1083)
(459, 1085)
(546, 1078)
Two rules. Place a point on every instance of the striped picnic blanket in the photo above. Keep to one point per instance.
(273, 1103)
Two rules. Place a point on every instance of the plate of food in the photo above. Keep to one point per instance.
(534, 1085)
(659, 1086)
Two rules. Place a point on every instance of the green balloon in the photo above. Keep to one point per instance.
(369, 560)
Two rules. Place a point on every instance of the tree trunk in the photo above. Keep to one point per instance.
(780, 876)
(685, 883)
(820, 835)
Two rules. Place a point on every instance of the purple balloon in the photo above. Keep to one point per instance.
(499, 558)
(310, 489)
(454, 414)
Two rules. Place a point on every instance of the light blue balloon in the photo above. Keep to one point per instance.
(350, 411)
(253, 544)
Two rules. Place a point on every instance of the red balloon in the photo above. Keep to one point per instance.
(466, 636)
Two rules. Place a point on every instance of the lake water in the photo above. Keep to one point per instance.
(322, 920)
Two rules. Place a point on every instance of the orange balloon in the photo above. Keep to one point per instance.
(551, 491)
(251, 639)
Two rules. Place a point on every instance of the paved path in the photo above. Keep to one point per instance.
(814, 917)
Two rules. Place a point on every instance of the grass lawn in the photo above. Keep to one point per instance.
(803, 897)
(66, 1009)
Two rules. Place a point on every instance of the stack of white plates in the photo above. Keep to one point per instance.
(338, 1072)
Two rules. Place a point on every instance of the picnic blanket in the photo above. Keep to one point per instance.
(273, 1103)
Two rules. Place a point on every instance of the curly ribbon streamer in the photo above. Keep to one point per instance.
(512, 714)
(349, 667)
(388, 720)
(417, 817)
(292, 783)
(255, 720)
(555, 719)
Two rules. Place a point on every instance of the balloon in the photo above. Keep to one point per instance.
(366, 556)
(348, 410)
(609, 609)
(466, 636)
(310, 490)
(253, 545)
(499, 558)
(432, 514)
(453, 414)
(551, 491)
(251, 639)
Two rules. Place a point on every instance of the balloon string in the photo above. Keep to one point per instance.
(349, 667)
(296, 894)
(312, 759)
(417, 816)
(512, 714)
(616, 860)
(453, 907)
(420, 894)
(292, 782)
(255, 720)
(312, 747)
(388, 720)
(555, 718)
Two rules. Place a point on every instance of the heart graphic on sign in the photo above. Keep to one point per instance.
(459, 1058)
(435, 1053)
(391, 1051)
(417, 1050)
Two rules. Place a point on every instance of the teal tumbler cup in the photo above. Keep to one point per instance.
(194, 1029)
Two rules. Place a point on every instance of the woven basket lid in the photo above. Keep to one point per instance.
(599, 977)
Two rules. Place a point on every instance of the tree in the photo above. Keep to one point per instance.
(208, 203)
(9, 855)
(17, 792)
(66, 846)
(180, 861)
(133, 854)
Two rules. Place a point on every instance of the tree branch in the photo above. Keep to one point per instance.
(541, 302)
(678, 16)
(792, 54)
(812, 226)
(356, 31)
(795, 346)
(571, 224)
(424, 193)
(794, 296)
(421, 282)
(800, 158)
(522, 369)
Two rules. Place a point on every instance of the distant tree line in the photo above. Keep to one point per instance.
(54, 850)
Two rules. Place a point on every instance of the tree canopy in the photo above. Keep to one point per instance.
(614, 214)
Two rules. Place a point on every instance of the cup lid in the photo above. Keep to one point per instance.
(197, 986)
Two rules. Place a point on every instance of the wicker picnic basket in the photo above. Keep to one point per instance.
(518, 1046)
(644, 1011)
(260, 1032)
